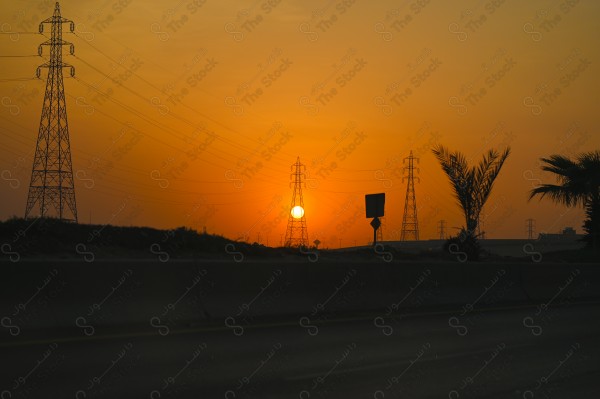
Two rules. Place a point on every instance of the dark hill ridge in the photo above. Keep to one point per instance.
(47, 238)
(44, 237)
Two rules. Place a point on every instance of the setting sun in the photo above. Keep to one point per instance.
(297, 212)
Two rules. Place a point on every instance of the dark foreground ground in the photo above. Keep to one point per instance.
(299, 329)
(497, 353)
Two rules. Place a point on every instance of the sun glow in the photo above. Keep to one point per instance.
(297, 212)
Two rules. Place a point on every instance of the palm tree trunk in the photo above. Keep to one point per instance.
(592, 224)
(472, 226)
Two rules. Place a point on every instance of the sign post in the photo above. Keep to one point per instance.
(374, 205)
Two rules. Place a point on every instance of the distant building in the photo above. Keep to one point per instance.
(568, 234)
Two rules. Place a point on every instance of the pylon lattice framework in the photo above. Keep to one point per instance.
(296, 234)
(530, 225)
(410, 223)
(442, 229)
(52, 186)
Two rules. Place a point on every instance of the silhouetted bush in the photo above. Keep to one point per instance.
(464, 246)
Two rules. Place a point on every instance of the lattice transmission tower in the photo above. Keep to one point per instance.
(442, 229)
(52, 187)
(410, 223)
(530, 226)
(296, 234)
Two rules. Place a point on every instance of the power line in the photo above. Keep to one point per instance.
(160, 126)
(219, 137)
(208, 117)
(156, 124)
(17, 79)
(118, 103)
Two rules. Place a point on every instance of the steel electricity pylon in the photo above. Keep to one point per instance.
(52, 188)
(442, 229)
(410, 223)
(530, 226)
(296, 234)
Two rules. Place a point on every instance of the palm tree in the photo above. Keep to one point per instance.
(579, 184)
(471, 186)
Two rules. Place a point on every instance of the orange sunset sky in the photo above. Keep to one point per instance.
(191, 113)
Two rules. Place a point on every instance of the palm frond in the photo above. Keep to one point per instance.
(557, 193)
(591, 158)
(590, 165)
(471, 186)
(579, 185)
(563, 167)
(456, 168)
(576, 179)
(490, 167)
